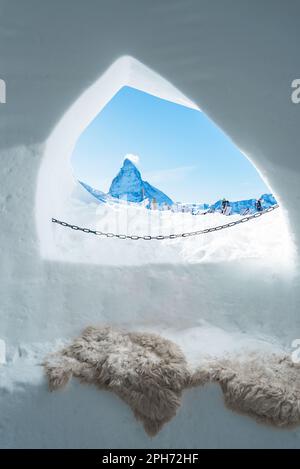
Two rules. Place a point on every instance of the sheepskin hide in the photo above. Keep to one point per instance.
(145, 370)
(150, 373)
(264, 386)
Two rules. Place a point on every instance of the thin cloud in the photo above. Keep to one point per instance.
(170, 175)
(134, 158)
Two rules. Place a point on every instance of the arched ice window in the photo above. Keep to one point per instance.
(152, 206)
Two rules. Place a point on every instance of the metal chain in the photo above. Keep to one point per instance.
(170, 236)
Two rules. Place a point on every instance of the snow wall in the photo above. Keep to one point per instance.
(236, 62)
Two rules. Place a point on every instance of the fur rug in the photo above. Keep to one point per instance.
(150, 373)
(266, 387)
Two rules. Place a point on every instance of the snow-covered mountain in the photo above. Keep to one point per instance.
(245, 206)
(129, 185)
(101, 196)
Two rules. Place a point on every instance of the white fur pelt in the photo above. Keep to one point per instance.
(150, 373)
(264, 386)
(145, 370)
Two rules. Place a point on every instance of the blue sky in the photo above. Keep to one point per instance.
(178, 150)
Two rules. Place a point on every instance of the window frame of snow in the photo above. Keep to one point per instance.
(55, 178)
(56, 182)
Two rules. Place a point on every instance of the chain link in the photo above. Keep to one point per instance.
(170, 236)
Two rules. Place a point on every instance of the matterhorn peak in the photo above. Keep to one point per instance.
(129, 185)
(128, 162)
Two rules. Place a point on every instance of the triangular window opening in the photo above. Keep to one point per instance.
(149, 165)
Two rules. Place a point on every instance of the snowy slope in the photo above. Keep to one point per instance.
(152, 192)
(264, 239)
(101, 196)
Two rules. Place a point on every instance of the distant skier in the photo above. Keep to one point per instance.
(225, 206)
(154, 204)
(258, 205)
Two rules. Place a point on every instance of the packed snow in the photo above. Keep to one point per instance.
(265, 239)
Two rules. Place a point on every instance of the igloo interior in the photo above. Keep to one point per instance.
(236, 62)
